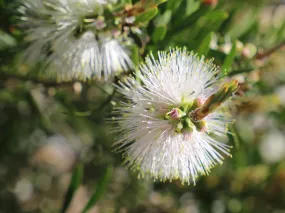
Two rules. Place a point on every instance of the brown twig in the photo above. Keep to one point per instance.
(267, 53)
(37, 80)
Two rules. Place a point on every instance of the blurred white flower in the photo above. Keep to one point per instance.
(61, 33)
(272, 147)
(55, 152)
(24, 189)
(159, 137)
(114, 57)
(280, 92)
(77, 58)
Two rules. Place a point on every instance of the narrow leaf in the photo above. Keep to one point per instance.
(246, 17)
(159, 34)
(179, 25)
(76, 179)
(100, 189)
(240, 71)
(229, 59)
(6, 40)
(233, 135)
(191, 7)
(204, 47)
(163, 19)
(147, 15)
(173, 4)
(135, 54)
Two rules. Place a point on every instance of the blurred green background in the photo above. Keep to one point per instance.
(47, 128)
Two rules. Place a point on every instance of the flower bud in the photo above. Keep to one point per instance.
(201, 126)
(215, 100)
(179, 127)
(212, 3)
(188, 127)
(175, 114)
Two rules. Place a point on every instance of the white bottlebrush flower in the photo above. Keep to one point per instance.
(53, 28)
(114, 57)
(158, 135)
(272, 147)
(76, 58)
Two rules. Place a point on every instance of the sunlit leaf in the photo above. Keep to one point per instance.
(76, 180)
(147, 15)
(159, 34)
(229, 60)
(204, 47)
(101, 187)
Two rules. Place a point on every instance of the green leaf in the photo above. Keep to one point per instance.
(135, 56)
(281, 32)
(233, 135)
(204, 47)
(163, 19)
(243, 22)
(173, 4)
(6, 40)
(240, 71)
(100, 189)
(200, 30)
(157, 2)
(127, 1)
(191, 7)
(179, 25)
(229, 60)
(76, 179)
(147, 15)
(159, 34)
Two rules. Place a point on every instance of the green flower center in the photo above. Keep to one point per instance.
(190, 115)
(180, 117)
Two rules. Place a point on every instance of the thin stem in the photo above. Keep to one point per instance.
(47, 82)
(270, 51)
(106, 102)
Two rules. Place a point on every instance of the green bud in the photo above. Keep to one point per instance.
(215, 100)
(175, 114)
(186, 106)
(189, 124)
(188, 127)
(179, 127)
(201, 126)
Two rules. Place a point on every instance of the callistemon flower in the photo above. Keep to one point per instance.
(77, 58)
(66, 35)
(170, 117)
(114, 56)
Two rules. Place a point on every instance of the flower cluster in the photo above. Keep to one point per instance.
(75, 38)
(172, 113)
(170, 117)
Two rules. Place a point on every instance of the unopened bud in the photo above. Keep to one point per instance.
(77, 87)
(130, 20)
(249, 51)
(215, 100)
(179, 127)
(128, 7)
(186, 106)
(212, 3)
(198, 102)
(201, 126)
(188, 127)
(175, 114)
(100, 23)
